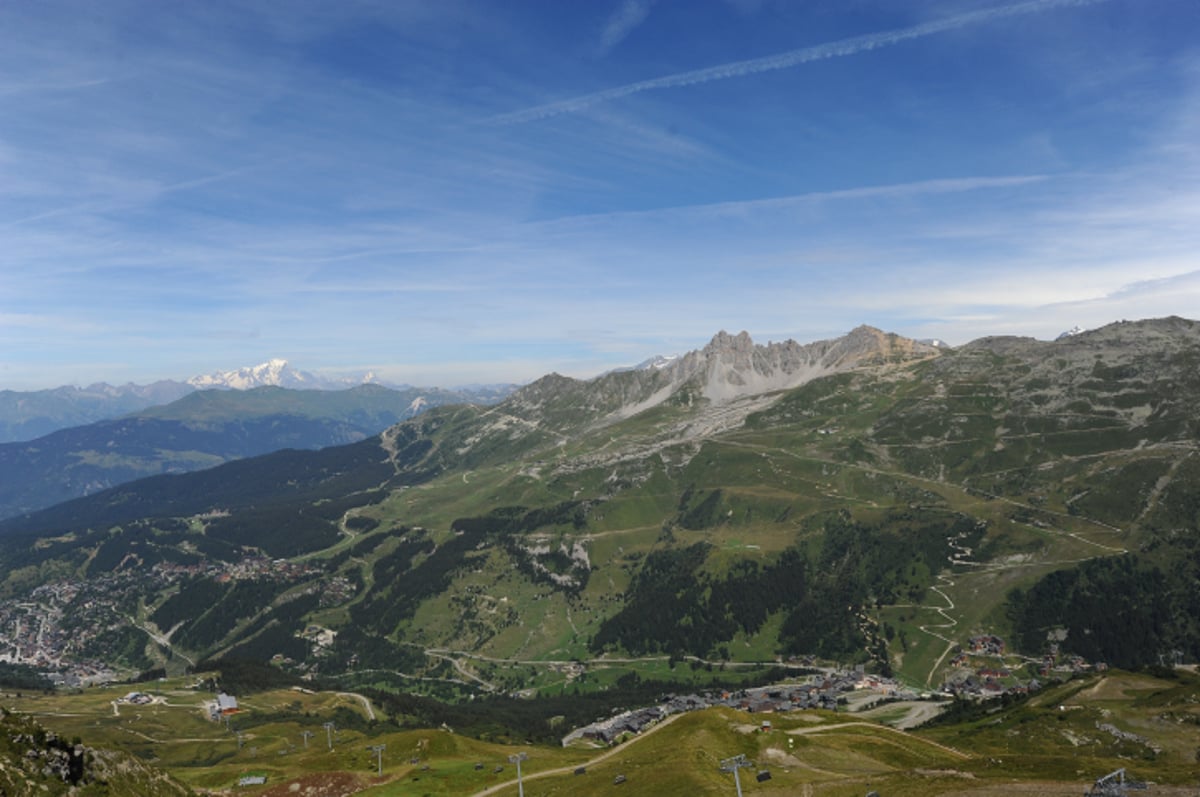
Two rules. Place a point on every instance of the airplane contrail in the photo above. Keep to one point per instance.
(770, 63)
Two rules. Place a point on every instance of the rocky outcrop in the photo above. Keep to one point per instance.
(729, 369)
(36, 761)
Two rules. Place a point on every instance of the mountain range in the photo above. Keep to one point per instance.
(868, 498)
(27, 415)
(202, 429)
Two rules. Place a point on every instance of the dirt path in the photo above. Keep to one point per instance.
(873, 726)
(366, 704)
(499, 787)
(917, 712)
(453, 658)
(950, 623)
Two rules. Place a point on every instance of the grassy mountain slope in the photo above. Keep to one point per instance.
(34, 761)
(1055, 743)
(881, 502)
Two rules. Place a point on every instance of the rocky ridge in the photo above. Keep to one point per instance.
(703, 392)
(729, 369)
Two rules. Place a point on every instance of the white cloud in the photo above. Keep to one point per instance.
(624, 20)
(259, 207)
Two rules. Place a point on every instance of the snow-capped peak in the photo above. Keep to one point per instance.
(275, 372)
(655, 363)
(278, 372)
(661, 361)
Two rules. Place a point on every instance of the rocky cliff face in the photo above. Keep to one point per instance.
(729, 369)
(732, 367)
(36, 761)
(701, 393)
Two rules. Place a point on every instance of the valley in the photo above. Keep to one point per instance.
(200, 430)
(566, 399)
(986, 523)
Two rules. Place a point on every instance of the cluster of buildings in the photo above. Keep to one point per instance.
(60, 627)
(54, 627)
(976, 686)
(249, 568)
(22, 631)
(993, 678)
(336, 591)
(986, 645)
(1056, 662)
(79, 674)
(320, 638)
(820, 692)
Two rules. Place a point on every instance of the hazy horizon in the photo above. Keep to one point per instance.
(431, 381)
(462, 192)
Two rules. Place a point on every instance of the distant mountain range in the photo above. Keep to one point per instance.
(26, 415)
(32, 414)
(868, 499)
(202, 429)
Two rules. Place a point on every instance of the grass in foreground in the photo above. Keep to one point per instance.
(1057, 742)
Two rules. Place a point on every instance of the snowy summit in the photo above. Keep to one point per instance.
(274, 372)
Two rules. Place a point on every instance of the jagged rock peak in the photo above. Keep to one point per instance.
(724, 341)
(728, 368)
(733, 366)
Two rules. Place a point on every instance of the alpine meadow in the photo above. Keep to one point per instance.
(520, 398)
(984, 521)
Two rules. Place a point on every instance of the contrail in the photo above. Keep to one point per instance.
(770, 63)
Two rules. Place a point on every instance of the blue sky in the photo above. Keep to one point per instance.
(450, 191)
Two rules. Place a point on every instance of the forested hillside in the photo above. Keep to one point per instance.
(887, 514)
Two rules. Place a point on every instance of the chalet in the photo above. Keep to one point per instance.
(988, 644)
(226, 705)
